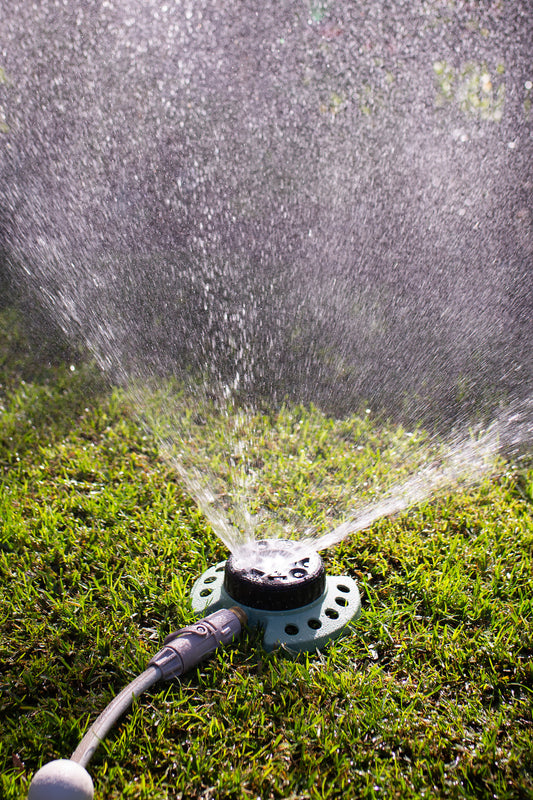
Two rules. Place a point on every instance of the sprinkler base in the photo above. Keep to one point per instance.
(308, 627)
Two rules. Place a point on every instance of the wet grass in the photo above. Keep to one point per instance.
(429, 696)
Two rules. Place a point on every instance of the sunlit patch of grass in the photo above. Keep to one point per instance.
(428, 696)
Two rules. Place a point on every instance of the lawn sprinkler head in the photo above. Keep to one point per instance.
(283, 587)
(274, 575)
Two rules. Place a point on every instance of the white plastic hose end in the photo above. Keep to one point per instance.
(61, 780)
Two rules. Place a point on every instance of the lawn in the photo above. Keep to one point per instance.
(428, 696)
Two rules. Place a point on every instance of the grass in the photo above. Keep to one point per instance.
(430, 695)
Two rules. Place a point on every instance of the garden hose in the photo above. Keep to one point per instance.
(67, 779)
(101, 727)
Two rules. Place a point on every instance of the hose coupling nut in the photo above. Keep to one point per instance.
(189, 646)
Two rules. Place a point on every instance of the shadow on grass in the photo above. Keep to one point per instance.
(45, 381)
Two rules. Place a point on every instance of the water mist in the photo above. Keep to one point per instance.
(294, 202)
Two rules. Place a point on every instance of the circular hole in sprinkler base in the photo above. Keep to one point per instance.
(341, 601)
(315, 624)
(291, 630)
(331, 613)
(205, 592)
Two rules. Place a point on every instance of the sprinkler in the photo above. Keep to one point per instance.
(283, 588)
(273, 583)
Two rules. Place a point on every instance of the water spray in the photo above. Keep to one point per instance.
(274, 583)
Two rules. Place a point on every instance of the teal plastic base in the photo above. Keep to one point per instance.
(307, 628)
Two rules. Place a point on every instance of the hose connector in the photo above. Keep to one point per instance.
(185, 648)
